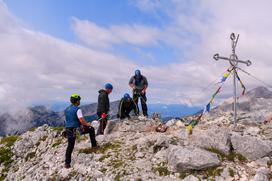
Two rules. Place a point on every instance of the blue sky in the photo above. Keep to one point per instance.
(50, 49)
(54, 18)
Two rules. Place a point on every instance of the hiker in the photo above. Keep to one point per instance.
(74, 120)
(126, 105)
(139, 84)
(103, 107)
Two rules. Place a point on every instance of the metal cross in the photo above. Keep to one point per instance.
(233, 60)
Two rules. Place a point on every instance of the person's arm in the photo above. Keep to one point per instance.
(131, 82)
(81, 118)
(145, 85)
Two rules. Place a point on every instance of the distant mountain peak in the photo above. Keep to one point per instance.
(260, 92)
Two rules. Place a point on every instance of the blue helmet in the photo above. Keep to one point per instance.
(108, 86)
(126, 96)
(138, 73)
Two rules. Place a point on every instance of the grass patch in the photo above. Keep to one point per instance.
(29, 156)
(220, 154)
(232, 156)
(162, 170)
(72, 174)
(212, 172)
(183, 175)
(231, 172)
(104, 157)
(32, 129)
(117, 163)
(103, 149)
(117, 177)
(9, 140)
(57, 143)
(60, 128)
(5, 160)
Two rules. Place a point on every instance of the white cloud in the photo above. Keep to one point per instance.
(91, 34)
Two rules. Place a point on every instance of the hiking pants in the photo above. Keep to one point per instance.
(102, 124)
(143, 98)
(71, 136)
(91, 132)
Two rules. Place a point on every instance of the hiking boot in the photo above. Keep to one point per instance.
(67, 166)
(93, 146)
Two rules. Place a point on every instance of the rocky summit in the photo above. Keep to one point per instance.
(133, 150)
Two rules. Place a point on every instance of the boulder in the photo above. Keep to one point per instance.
(254, 131)
(171, 122)
(110, 127)
(251, 147)
(190, 158)
(262, 174)
(215, 137)
(162, 142)
(30, 140)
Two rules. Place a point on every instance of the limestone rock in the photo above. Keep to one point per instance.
(214, 137)
(191, 158)
(261, 175)
(251, 147)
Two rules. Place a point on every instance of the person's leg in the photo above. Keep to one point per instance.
(99, 131)
(143, 103)
(105, 121)
(135, 99)
(129, 109)
(70, 147)
(92, 137)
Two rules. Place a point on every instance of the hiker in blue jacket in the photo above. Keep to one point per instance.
(75, 120)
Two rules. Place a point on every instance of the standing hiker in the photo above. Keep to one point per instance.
(74, 119)
(139, 84)
(103, 107)
(126, 105)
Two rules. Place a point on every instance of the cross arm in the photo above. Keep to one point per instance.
(217, 57)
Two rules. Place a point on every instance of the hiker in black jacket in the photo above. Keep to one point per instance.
(139, 84)
(126, 105)
(103, 107)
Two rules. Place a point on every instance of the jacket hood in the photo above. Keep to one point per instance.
(102, 91)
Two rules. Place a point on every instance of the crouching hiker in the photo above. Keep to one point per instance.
(103, 107)
(74, 120)
(126, 105)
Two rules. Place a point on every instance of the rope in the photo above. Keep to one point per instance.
(256, 78)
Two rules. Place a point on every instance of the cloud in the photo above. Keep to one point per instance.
(36, 67)
(91, 34)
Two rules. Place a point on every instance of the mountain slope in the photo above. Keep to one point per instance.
(132, 150)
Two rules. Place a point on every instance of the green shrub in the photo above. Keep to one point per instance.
(5, 159)
(231, 172)
(162, 170)
(59, 128)
(104, 157)
(57, 143)
(9, 140)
